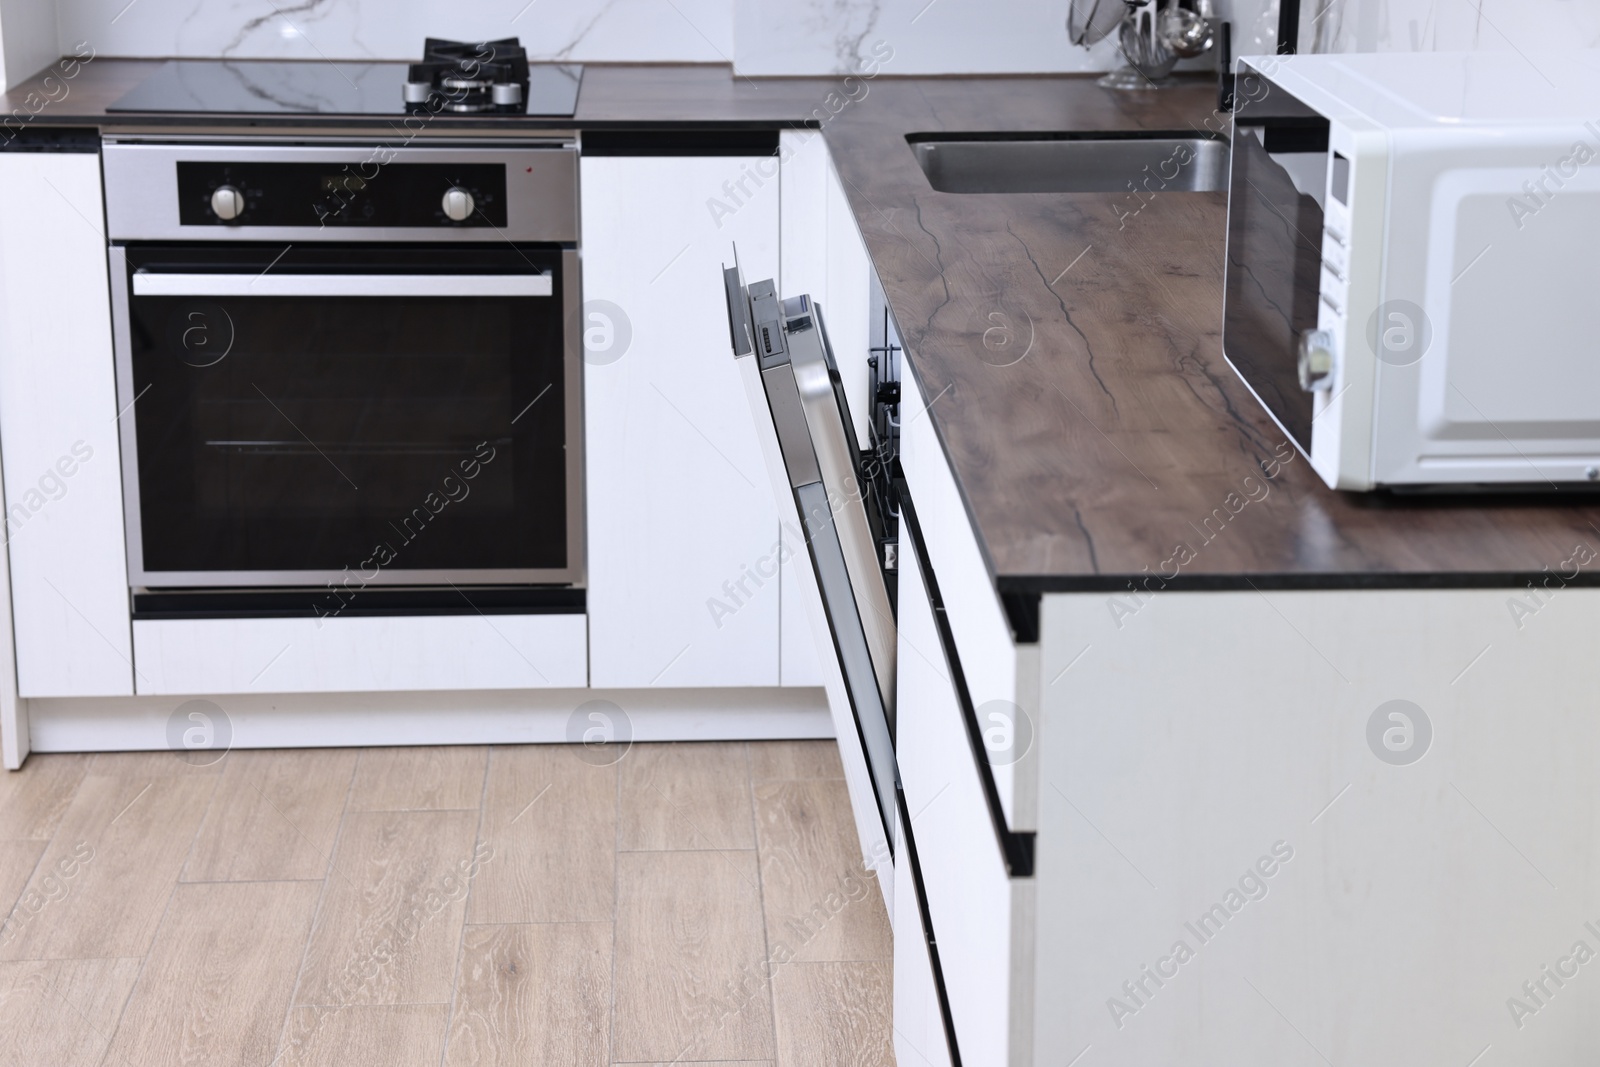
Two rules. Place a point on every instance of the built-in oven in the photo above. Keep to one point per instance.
(346, 366)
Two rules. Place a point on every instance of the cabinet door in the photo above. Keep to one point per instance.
(919, 1024)
(683, 535)
(58, 412)
(969, 895)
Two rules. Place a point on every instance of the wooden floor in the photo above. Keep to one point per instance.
(692, 903)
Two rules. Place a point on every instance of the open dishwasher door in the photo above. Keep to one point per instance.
(830, 493)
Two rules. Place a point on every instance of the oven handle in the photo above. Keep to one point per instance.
(159, 284)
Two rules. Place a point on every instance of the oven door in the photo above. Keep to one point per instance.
(409, 415)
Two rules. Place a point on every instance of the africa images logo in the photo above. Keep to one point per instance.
(1399, 732)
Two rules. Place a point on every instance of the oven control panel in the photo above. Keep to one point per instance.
(340, 195)
(458, 193)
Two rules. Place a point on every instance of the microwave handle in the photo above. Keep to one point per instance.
(146, 283)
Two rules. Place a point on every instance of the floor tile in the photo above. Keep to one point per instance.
(834, 1014)
(551, 820)
(391, 1035)
(684, 796)
(782, 760)
(421, 778)
(691, 958)
(390, 919)
(274, 816)
(110, 868)
(217, 981)
(820, 902)
(62, 1013)
(158, 764)
(18, 859)
(533, 996)
(33, 799)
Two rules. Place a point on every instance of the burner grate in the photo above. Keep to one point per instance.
(487, 77)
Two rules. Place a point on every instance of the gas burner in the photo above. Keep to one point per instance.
(490, 77)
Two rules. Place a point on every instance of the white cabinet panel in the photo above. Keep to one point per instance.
(847, 303)
(1417, 768)
(58, 409)
(15, 735)
(919, 1036)
(683, 535)
(998, 670)
(360, 654)
(969, 893)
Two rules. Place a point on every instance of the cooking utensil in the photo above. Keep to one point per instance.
(1089, 21)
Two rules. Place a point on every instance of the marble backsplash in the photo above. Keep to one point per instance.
(758, 36)
(693, 31)
(771, 36)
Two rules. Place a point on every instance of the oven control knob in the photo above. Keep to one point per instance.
(227, 202)
(458, 204)
(1315, 362)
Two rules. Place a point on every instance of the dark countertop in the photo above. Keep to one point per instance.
(1123, 429)
(1106, 447)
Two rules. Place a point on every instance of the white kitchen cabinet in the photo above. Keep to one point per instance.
(361, 654)
(919, 1033)
(15, 734)
(979, 913)
(683, 533)
(1232, 861)
(1001, 674)
(58, 412)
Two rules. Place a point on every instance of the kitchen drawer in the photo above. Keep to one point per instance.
(1002, 675)
(920, 1035)
(360, 654)
(980, 914)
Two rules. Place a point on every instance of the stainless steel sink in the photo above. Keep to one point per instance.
(1153, 163)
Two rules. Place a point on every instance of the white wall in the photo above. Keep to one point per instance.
(1532, 27)
(27, 39)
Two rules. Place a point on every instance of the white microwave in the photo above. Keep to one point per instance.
(1413, 264)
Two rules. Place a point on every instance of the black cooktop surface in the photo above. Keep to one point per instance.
(316, 87)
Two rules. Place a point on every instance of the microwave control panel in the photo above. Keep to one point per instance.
(1334, 289)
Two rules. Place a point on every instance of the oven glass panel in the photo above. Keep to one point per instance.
(1275, 206)
(320, 432)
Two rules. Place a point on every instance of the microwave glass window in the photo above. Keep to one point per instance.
(1339, 181)
(1278, 182)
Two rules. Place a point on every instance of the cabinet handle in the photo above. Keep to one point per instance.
(149, 283)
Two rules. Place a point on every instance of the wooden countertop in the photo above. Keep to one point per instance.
(1104, 450)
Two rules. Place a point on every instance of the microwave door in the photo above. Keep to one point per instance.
(1273, 275)
(791, 389)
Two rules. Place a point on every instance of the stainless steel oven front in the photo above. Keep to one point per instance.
(349, 361)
